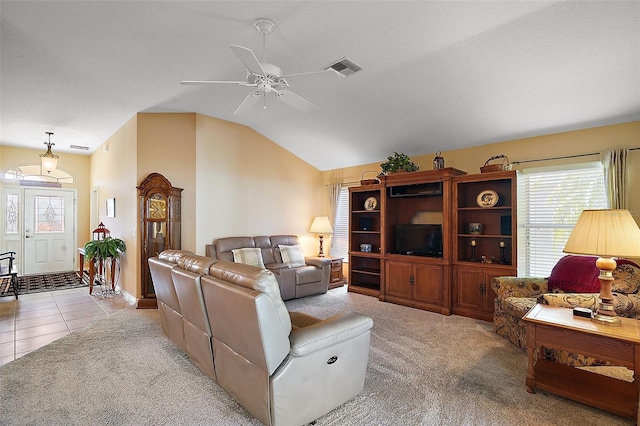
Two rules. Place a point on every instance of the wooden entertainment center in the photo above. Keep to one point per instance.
(454, 280)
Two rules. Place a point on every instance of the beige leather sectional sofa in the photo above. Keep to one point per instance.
(285, 368)
(295, 281)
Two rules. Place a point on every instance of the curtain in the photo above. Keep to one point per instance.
(614, 162)
(334, 196)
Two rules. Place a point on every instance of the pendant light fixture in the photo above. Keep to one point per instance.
(49, 159)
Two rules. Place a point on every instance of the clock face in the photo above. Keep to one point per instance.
(157, 207)
(370, 203)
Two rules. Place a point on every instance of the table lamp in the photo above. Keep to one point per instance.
(320, 226)
(607, 234)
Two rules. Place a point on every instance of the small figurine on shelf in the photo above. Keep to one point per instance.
(438, 161)
(485, 259)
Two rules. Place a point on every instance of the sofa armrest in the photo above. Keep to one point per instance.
(317, 261)
(301, 320)
(625, 305)
(333, 330)
(570, 300)
(519, 286)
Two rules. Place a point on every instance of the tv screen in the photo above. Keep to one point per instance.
(419, 239)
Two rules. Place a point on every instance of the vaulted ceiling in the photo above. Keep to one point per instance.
(435, 74)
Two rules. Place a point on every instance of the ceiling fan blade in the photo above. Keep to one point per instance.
(244, 83)
(295, 101)
(248, 102)
(307, 73)
(248, 59)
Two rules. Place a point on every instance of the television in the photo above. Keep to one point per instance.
(419, 239)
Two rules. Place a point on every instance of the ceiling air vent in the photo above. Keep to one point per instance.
(344, 67)
(84, 148)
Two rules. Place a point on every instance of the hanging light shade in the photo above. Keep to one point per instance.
(49, 159)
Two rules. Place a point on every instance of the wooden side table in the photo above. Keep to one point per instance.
(92, 270)
(555, 327)
(336, 279)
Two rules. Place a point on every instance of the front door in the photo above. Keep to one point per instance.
(49, 219)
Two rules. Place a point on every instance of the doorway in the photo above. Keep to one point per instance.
(39, 225)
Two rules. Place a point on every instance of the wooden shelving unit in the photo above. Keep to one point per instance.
(478, 258)
(453, 282)
(366, 271)
(422, 282)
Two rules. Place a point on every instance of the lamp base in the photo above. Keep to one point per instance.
(607, 320)
(321, 251)
(606, 314)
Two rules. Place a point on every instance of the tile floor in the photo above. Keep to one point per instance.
(37, 319)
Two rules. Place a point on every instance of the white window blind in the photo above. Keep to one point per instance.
(340, 246)
(552, 202)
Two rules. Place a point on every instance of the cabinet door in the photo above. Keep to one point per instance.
(400, 279)
(490, 295)
(429, 284)
(469, 285)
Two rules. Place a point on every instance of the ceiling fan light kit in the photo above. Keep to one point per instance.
(266, 78)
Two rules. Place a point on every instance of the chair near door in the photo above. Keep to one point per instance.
(9, 269)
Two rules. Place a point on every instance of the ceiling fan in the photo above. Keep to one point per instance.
(265, 77)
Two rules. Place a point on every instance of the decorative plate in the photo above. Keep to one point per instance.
(370, 203)
(487, 198)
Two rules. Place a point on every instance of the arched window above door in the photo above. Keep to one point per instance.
(33, 172)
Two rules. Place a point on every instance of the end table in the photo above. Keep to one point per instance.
(336, 279)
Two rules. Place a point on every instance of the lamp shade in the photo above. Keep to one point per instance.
(49, 160)
(49, 164)
(605, 233)
(321, 225)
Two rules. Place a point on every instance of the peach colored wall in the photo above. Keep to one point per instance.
(114, 175)
(585, 141)
(76, 165)
(248, 185)
(167, 145)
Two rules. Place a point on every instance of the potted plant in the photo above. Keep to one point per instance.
(398, 162)
(104, 249)
(105, 252)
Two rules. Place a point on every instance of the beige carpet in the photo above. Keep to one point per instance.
(424, 369)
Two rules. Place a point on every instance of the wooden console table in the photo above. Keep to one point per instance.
(555, 327)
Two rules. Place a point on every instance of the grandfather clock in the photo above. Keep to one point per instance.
(159, 211)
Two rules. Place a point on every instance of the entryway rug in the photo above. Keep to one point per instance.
(47, 282)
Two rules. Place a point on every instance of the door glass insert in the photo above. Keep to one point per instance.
(49, 214)
(11, 214)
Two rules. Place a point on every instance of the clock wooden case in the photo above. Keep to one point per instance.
(159, 205)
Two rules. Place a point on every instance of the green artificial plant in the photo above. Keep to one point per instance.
(398, 162)
(103, 249)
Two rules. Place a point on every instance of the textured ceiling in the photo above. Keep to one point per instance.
(436, 75)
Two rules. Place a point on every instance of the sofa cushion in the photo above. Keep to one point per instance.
(627, 277)
(173, 256)
(575, 274)
(248, 256)
(255, 279)
(292, 255)
(196, 264)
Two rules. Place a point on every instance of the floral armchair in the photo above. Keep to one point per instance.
(516, 295)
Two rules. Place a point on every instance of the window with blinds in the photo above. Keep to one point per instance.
(340, 243)
(552, 201)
